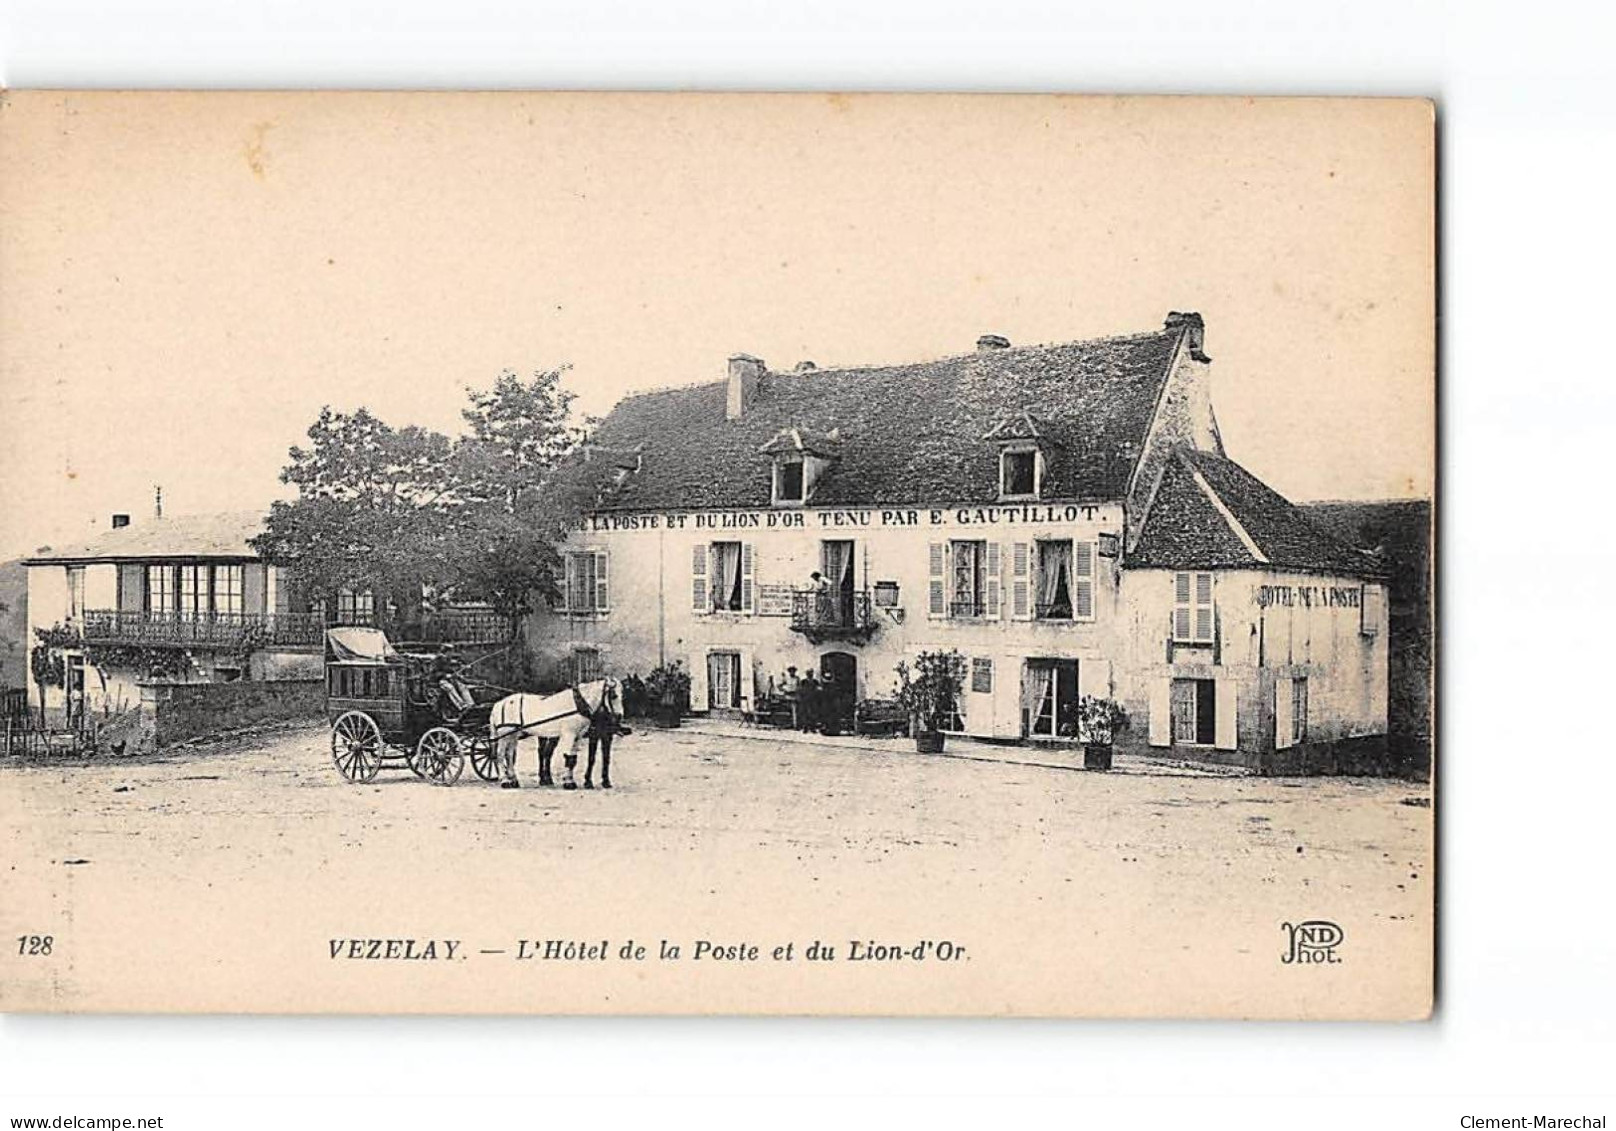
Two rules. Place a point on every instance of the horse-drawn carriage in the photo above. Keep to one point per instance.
(391, 708)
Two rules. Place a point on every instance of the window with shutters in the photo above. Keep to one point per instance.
(1194, 709)
(967, 588)
(1065, 580)
(75, 592)
(727, 576)
(584, 592)
(1369, 609)
(1192, 608)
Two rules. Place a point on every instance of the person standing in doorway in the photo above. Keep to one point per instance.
(808, 697)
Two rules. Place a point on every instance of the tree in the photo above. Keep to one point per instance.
(374, 510)
(507, 530)
(406, 512)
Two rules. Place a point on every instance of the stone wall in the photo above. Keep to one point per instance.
(182, 711)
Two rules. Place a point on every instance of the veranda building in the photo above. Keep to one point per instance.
(1064, 516)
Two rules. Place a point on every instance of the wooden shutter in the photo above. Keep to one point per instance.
(993, 594)
(1284, 713)
(698, 588)
(1203, 607)
(1181, 607)
(746, 691)
(602, 602)
(698, 681)
(1228, 730)
(1083, 580)
(748, 602)
(1021, 580)
(1161, 712)
(1369, 611)
(937, 592)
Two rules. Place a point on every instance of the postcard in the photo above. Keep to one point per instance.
(717, 554)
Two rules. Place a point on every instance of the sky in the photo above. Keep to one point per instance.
(186, 279)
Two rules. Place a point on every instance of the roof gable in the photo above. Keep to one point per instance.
(1210, 513)
(909, 434)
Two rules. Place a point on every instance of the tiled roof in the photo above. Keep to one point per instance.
(182, 536)
(909, 434)
(1188, 528)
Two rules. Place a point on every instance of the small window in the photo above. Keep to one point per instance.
(726, 576)
(788, 481)
(1018, 474)
(982, 676)
(587, 665)
(1192, 608)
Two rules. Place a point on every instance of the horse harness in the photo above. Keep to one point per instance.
(580, 706)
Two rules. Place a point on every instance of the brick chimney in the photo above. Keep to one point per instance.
(988, 343)
(1194, 329)
(745, 372)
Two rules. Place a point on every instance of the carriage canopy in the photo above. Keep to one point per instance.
(349, 644)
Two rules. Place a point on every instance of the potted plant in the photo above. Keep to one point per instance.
(668, 689)
(927, 694)
(1100, 720)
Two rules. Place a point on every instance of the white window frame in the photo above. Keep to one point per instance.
(1021, 449)
(780, 464)
(1186, 600)
(1077, 580)
(75, 593)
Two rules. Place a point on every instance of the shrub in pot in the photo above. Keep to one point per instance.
(667, 689)
(927, 694)
(1100, 720)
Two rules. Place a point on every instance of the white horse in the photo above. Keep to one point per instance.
(558, 720)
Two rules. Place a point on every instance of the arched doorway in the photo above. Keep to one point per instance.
(838, 674)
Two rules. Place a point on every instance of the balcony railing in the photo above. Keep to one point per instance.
(202, 630)
(822, 615)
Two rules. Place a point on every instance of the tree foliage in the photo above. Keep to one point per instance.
(406, 511)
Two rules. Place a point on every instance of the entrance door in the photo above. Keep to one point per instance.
(838, 675)
(724, 680)
(1051, 697)
(1194, 710)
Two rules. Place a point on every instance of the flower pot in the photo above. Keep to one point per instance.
(668, 718)
(929, 742)
(1096, 756)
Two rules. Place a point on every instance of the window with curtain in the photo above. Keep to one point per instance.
(75, 592)
(726, 576)
(965, 597)
(1055, 580)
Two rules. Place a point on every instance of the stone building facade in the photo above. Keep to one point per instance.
(1063, 516)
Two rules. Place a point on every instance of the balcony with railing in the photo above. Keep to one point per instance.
(822, 616)
(219, 631)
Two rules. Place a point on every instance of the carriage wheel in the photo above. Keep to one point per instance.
(437, 756)
(485, 759)
(356, 746)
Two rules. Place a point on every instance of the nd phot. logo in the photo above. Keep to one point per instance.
(1311, 942)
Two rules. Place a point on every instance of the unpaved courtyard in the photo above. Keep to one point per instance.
(220, 877)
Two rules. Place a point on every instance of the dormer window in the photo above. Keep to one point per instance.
(802, 457)
(789, 480)
(1021, 440)
(1020, 470)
